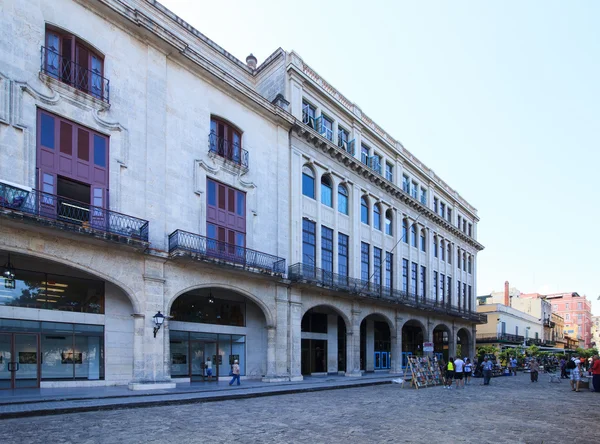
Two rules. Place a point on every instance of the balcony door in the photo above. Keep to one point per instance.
(72, 163)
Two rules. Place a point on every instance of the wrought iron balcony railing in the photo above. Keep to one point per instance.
(499, 337)
(228, 150)
(183, 242)
(67, 71)
(317, 276)
(71, 214)
(534, 341)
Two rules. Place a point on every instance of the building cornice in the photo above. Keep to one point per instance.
(349, 161)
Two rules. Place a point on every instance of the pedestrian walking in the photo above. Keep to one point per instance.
(513, 365)
(468, 371)
(459, 368)
(596, 373)
(235, 372)
(208, 367)
(575, 375)
(449, 373)
(487, 370)
(534, 368)
(563, 369)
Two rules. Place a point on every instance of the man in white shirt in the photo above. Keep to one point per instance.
(459, 365)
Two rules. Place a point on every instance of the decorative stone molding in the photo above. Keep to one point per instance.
(5, 85)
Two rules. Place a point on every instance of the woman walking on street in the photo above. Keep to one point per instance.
(534, 367)
(575, 375)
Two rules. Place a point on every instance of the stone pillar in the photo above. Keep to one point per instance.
(271, 354)
(370, 346)
(353, 346)
(396, 350)
(472, 348)
(452, 341)
(295, 341)
(332, 343)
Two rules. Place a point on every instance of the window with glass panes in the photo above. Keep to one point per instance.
(343, 138)
(435, 204)
(308, 242)
(442, 287)
(423, 196)
(449, 289)
(413, 235)
(364, 210)
(406, 183)
(376, 163)
(364, 154)
(389, 269)
(377, 258)
(413, 278)
(423, 240)
(326, 249)
(308, 114)
(464, 292)
(388, 222)
(326, 127)
(405, 230)
(422, 282)
(458, 295)
(435, 246)
(414, 190)
(326, 191)
(405, 275)
(364, 261)
(449, 255)
(389, 171)
(342, 254)
(308, 182)
(436, 290)
(377, 217)
(342, 199)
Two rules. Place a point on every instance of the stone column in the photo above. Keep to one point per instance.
(295, 341)
(370, 346)
(332, 343)
(452, 341)
(396, 350)
(353, 346)
(271, 355)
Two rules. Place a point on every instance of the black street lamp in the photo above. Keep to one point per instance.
(159, 318)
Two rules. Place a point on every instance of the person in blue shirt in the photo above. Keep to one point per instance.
(513, 365)
(487, 366)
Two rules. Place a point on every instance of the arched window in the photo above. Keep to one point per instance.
(342, 199)
(308, 182)
(326, 191)
(413, 235)
(377, 217)
(442, 250)
(423, 240)
(364, 210)
(226, 141)
(435, 246)
(469, 264)
(449, 253)
(388, 222)
(405, 230)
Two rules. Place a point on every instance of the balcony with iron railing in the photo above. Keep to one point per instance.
(183, 243)
(307, 274)
(67, 71)
(499, 337)
(71, 215)
(534, 341)
(229, 150)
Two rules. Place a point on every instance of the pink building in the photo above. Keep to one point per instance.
(576, 310)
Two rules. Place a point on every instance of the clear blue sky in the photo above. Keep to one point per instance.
(501, 99)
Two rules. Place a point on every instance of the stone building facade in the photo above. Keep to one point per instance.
(144, 171)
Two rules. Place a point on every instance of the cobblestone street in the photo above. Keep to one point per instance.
(511, 409)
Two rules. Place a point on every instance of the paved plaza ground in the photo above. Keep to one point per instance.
(511, 410)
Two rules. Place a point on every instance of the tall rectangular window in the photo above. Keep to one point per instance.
(225, 215)
(449, 289)
(405, 275)
(436, 290)
(375, 163)
(364, 261)
(413, 278)
(389, 269)
(435, 205)
(470, 296)
(405, 230)
(442, 287)
(308, 242)
(422, 282)
(389, 171)
(308, 114)
(449, 214)
(470, 229)
(406, 183)
(423, 196)
(464, 292)
(413, 235)
(459, 221)
(326, 127)
(343, 138)
(423, 240)
(442, 209)
(327, 249)
(342, 254)
(364, 154)
(435, 246)
(458, 295)
(414, 190)
(377, 263)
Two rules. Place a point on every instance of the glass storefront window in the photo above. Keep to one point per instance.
(32, 289)
(223, 349)
(68, 351)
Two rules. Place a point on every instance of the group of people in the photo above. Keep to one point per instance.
(234, 373)
(578, 367)
(458, 370)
